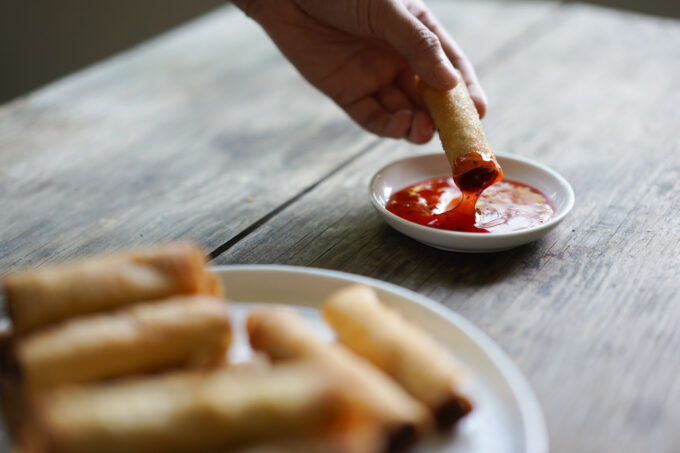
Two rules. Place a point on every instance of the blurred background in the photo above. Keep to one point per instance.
(43, 40)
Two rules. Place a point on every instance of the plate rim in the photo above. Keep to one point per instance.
(533, 419)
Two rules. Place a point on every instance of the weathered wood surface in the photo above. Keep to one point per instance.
(197, 134)
(590, 313)
(171, 139)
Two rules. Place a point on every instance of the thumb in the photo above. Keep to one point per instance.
(419, 45)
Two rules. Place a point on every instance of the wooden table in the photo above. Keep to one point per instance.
(207, 133)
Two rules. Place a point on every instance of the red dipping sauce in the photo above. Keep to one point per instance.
(500, 208)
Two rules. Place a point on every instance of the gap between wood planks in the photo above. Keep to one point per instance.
(264, 219)
(532, 32)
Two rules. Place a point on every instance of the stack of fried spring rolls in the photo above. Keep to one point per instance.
(472, 160)
(107, 317)
(99, 319)
(402, 350)
(284, 336)
(296, 407)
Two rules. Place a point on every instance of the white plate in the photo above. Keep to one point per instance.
(506, 418)
(404, 172)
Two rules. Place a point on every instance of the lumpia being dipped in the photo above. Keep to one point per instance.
(471, 158)
(48, 295)
(284, 335)
(402, 350)
(189, 412)
(186, 330)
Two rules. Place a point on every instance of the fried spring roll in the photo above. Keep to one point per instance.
(362, 438)
(402, 350)
(190, 412)
(471, 158)
(188, 330)
(46, 296)
(283, 335)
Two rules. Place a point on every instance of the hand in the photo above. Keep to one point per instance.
(363, 54)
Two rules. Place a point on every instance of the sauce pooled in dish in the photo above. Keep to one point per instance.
(501, 208)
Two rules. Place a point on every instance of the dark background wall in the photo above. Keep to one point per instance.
(41, 40)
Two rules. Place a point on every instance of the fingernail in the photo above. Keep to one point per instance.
(479, 98)
(447, 75)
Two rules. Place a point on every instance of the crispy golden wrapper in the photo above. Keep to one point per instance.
(360, 438)
(38, 298)
(194, 412)
(284, 336)
(399, 348)
(472, 160)
(187, 330)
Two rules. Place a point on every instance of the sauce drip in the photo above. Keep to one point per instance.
(502, 207)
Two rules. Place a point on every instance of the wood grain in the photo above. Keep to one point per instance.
(202, 133)
(196, 135)
(170, 140)
(590, 313)
(173, 139)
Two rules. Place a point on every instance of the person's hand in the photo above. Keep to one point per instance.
(363, 54)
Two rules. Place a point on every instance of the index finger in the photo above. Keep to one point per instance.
(455, 54)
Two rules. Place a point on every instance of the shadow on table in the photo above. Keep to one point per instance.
(464, 270)
(376, 250)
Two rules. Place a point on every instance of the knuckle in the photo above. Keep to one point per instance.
(425, 41)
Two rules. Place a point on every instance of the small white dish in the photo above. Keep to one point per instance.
(405, 172)
(507, 417)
